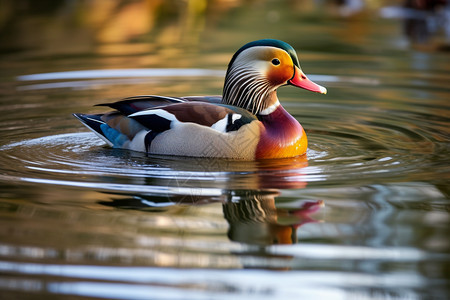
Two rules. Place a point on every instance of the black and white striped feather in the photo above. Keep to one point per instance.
(245, 87)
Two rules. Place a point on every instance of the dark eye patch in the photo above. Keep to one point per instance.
(275, 61)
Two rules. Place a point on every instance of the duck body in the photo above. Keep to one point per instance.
(246, 123)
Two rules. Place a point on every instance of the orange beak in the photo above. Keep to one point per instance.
(300, 80)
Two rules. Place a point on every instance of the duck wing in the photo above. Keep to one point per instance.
(137, 121)
(221, 117)
(134, 104)
(208, 99)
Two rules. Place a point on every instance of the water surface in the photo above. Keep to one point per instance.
(364, 215)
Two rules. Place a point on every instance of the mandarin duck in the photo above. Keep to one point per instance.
(246, 123)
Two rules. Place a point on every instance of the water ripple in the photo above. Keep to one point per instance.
(165, 283)
(365, 151)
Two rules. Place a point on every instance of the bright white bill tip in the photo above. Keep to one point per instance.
(323, 90)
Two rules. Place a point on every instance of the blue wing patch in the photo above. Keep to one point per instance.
(114, 136)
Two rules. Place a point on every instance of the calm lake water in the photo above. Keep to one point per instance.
(364, 215)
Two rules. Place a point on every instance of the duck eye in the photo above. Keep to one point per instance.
(275, 61)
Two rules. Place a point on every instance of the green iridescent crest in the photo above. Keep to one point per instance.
(270, 43)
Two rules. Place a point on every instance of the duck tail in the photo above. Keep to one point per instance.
(94, 123)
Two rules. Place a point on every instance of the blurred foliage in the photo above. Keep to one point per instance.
(172, 33)
(52, 26)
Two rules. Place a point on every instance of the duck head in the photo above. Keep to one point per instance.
(257, 69)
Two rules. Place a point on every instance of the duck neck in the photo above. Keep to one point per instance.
(281, 136)
(248, 90)
(271, 104)
(276, 119)
(279, 126)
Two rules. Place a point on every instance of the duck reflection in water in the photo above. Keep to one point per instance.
(252, 216)
(248, 191)
(254, 219)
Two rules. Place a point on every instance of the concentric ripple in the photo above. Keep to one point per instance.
(368, 147)
(358, 144)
